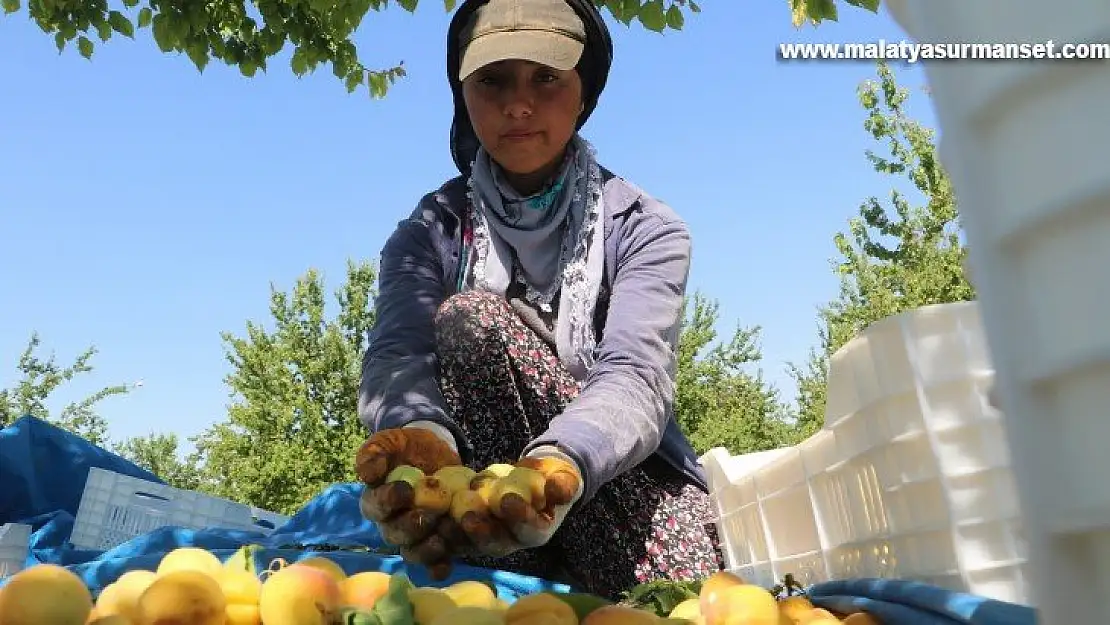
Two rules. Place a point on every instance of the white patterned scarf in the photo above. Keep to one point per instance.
(553, 242)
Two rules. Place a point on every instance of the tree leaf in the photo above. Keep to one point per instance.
(408, 5)
(449, 5)
(299, 62)
(354, 80)
(10, 6)
(675, 19)
(60, 41)
(121, 24)
(103, 30)
(130, 3)
(145, 15)
(85, 46)
(652, 16)
(694, 8)
(870, 5)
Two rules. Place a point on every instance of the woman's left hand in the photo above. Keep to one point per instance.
(526, 507)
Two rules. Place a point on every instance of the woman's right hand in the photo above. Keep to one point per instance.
(392, 504)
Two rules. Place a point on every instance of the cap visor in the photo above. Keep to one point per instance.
(546, 48)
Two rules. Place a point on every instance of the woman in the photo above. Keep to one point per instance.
(528, 313)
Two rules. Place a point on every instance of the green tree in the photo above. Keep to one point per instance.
(891, 260)
(160, 454)
(248, 35)
(40, 378)
(719, 403)
(293, 426)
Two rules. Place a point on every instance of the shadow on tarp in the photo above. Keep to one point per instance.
(914, 603)
(44, 468)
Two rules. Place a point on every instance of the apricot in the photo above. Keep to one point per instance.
(362, 590)
(122, 596)
(794, 607)
(817, 616)
(299, 595)
(45, 593)
(184, 597)
(326, 565)
(242, 591)
(689, 611)
(428, 603)
(540, 608)
(190, 559)
(713, 585)
(468, 615)
(746, 604)
(471, 594)
(620, 615)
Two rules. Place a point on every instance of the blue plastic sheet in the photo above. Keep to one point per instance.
(914, 603)
(43, 470)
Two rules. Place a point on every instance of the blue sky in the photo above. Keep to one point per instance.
(145, 208)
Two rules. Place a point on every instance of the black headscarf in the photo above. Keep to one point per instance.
(593, 69)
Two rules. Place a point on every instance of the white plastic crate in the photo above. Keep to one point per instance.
(908, 479)
(15, 538)
(115, 508)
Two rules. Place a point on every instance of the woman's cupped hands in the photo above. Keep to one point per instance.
(434, 509)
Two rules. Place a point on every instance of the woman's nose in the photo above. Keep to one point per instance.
(519, 102)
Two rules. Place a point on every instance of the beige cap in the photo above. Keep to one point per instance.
(547, 32)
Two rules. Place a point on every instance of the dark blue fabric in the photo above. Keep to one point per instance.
(914, 603)
(43, 470)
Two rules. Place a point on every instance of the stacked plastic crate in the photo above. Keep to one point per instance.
(909, 478)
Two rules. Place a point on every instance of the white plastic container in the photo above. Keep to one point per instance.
(115, 508)
(909, 478)
(15, 539)
(1025, 144)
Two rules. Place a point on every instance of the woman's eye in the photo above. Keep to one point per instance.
(547, 77)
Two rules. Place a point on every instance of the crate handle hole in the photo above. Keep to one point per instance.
(142, 495)
(264, 524)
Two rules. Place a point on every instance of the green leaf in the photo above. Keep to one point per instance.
(629, 10)
(299, 62)
(198, 54)
(821, 10)
(10, 6)
(870, 5)
(85, 46)
(160, 26)
(354, 80)
(652, 16)
(103, 30)
(675, 19)
(394, 608)
(121, 24)
(60, 41)
(408, 5)
(449, 5)
(130, 3)
(379, 85)
(145, 15)
(694, 8)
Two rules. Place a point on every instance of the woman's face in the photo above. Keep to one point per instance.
(524, 114)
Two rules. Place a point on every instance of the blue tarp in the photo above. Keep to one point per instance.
(43, 471)
(913, 603)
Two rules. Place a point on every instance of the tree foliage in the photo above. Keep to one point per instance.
(719, 402)
(250, 35)
(160, 454)
(40, 378)
(891, 260)
(293, 426)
